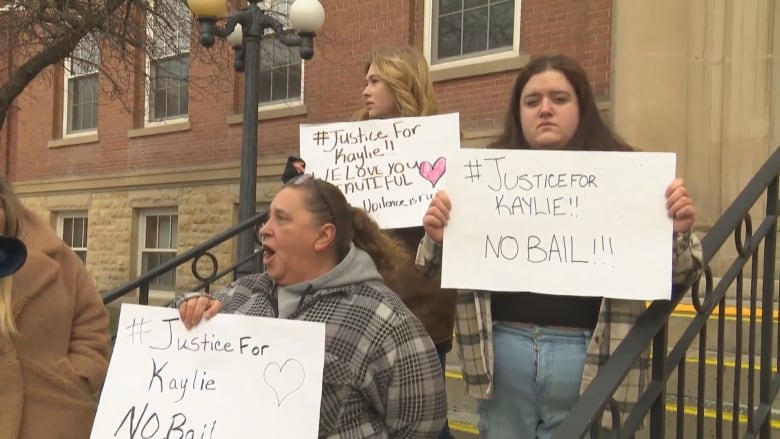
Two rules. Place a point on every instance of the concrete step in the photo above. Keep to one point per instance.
(732, 376)
(731, 292)
(735, 327)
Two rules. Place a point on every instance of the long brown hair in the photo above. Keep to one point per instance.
(353, 225)
(591, 134)
(12, 227)
(405, 70)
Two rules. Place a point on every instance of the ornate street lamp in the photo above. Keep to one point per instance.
(244, 30)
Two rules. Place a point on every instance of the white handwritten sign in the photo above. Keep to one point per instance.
(230, 377)
(389, 167)
(560, 222)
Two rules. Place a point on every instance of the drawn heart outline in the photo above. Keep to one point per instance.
(284, 380)
(433, 173)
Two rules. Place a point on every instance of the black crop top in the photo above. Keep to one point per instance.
(546, 309)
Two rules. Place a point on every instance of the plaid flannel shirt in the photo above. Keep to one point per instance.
(474, 327)
(381, 377)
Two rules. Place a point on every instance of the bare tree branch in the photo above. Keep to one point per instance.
(46, 32)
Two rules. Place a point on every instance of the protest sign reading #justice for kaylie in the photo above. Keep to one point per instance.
(389, 167)
(559, 222)
(229, 377)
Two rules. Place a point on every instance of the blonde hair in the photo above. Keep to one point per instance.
(13, 208)
(405, 70)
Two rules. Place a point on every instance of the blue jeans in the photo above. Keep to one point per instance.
(441, 350)
(537, 375)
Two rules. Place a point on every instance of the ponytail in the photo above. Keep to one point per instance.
(387, 252)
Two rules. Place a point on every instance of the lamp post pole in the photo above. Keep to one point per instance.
(250, 25)
(247, 190)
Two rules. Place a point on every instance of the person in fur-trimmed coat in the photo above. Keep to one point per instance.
(54, 338)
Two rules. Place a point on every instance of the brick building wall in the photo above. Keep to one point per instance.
(192, 167)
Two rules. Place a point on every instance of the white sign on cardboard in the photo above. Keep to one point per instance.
(229, 377)
(582, 223)
(389, 167)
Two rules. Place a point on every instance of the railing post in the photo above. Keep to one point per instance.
(143, 294)
(658, 373)
(767, 309)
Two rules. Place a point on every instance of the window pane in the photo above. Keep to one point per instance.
(82, 103)
(174, 231)
(82, 254)
(149, 261)
(280, 72)
(74, 110)
(447, 6)
(449, 35)
(164, 234)
(93, 116)
(294, 88)
(170, 28)
(184, 100)
(280, 6)
(151, 232)
(266, 54)
(86, 232)
(86, 56)
(281, 53)
(152, 260)
(170, 87)
(265, 85)
(159, 106)
(475, 30)
(474, 3)
(470, 27)
(279, 84)
(161, 241)
(167, 279)
(78, 233)
(172, 100)
(502, 27)
(67, 231)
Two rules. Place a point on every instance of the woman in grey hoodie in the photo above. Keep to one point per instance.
(381, 377)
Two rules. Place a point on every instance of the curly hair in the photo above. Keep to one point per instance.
(591, 134)
(405, 70)
(353, 225)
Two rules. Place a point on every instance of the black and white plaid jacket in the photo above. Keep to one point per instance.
(382, 377)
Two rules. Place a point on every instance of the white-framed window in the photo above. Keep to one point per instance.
(158, 235)
(72, 227)
(281, 67)
(80, 106)
(168, 65)
(467, 31)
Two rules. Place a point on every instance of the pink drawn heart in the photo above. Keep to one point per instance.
(434, 172)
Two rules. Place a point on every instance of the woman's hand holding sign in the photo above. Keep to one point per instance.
(437, 216)
(679, 206)
(191, 311)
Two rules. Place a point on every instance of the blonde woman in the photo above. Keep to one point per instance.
(53, 334)
(398, 84)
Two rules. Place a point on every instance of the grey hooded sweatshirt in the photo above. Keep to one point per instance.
(381, 377)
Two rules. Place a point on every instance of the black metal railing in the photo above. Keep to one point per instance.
(194, 256)
(740, 405)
